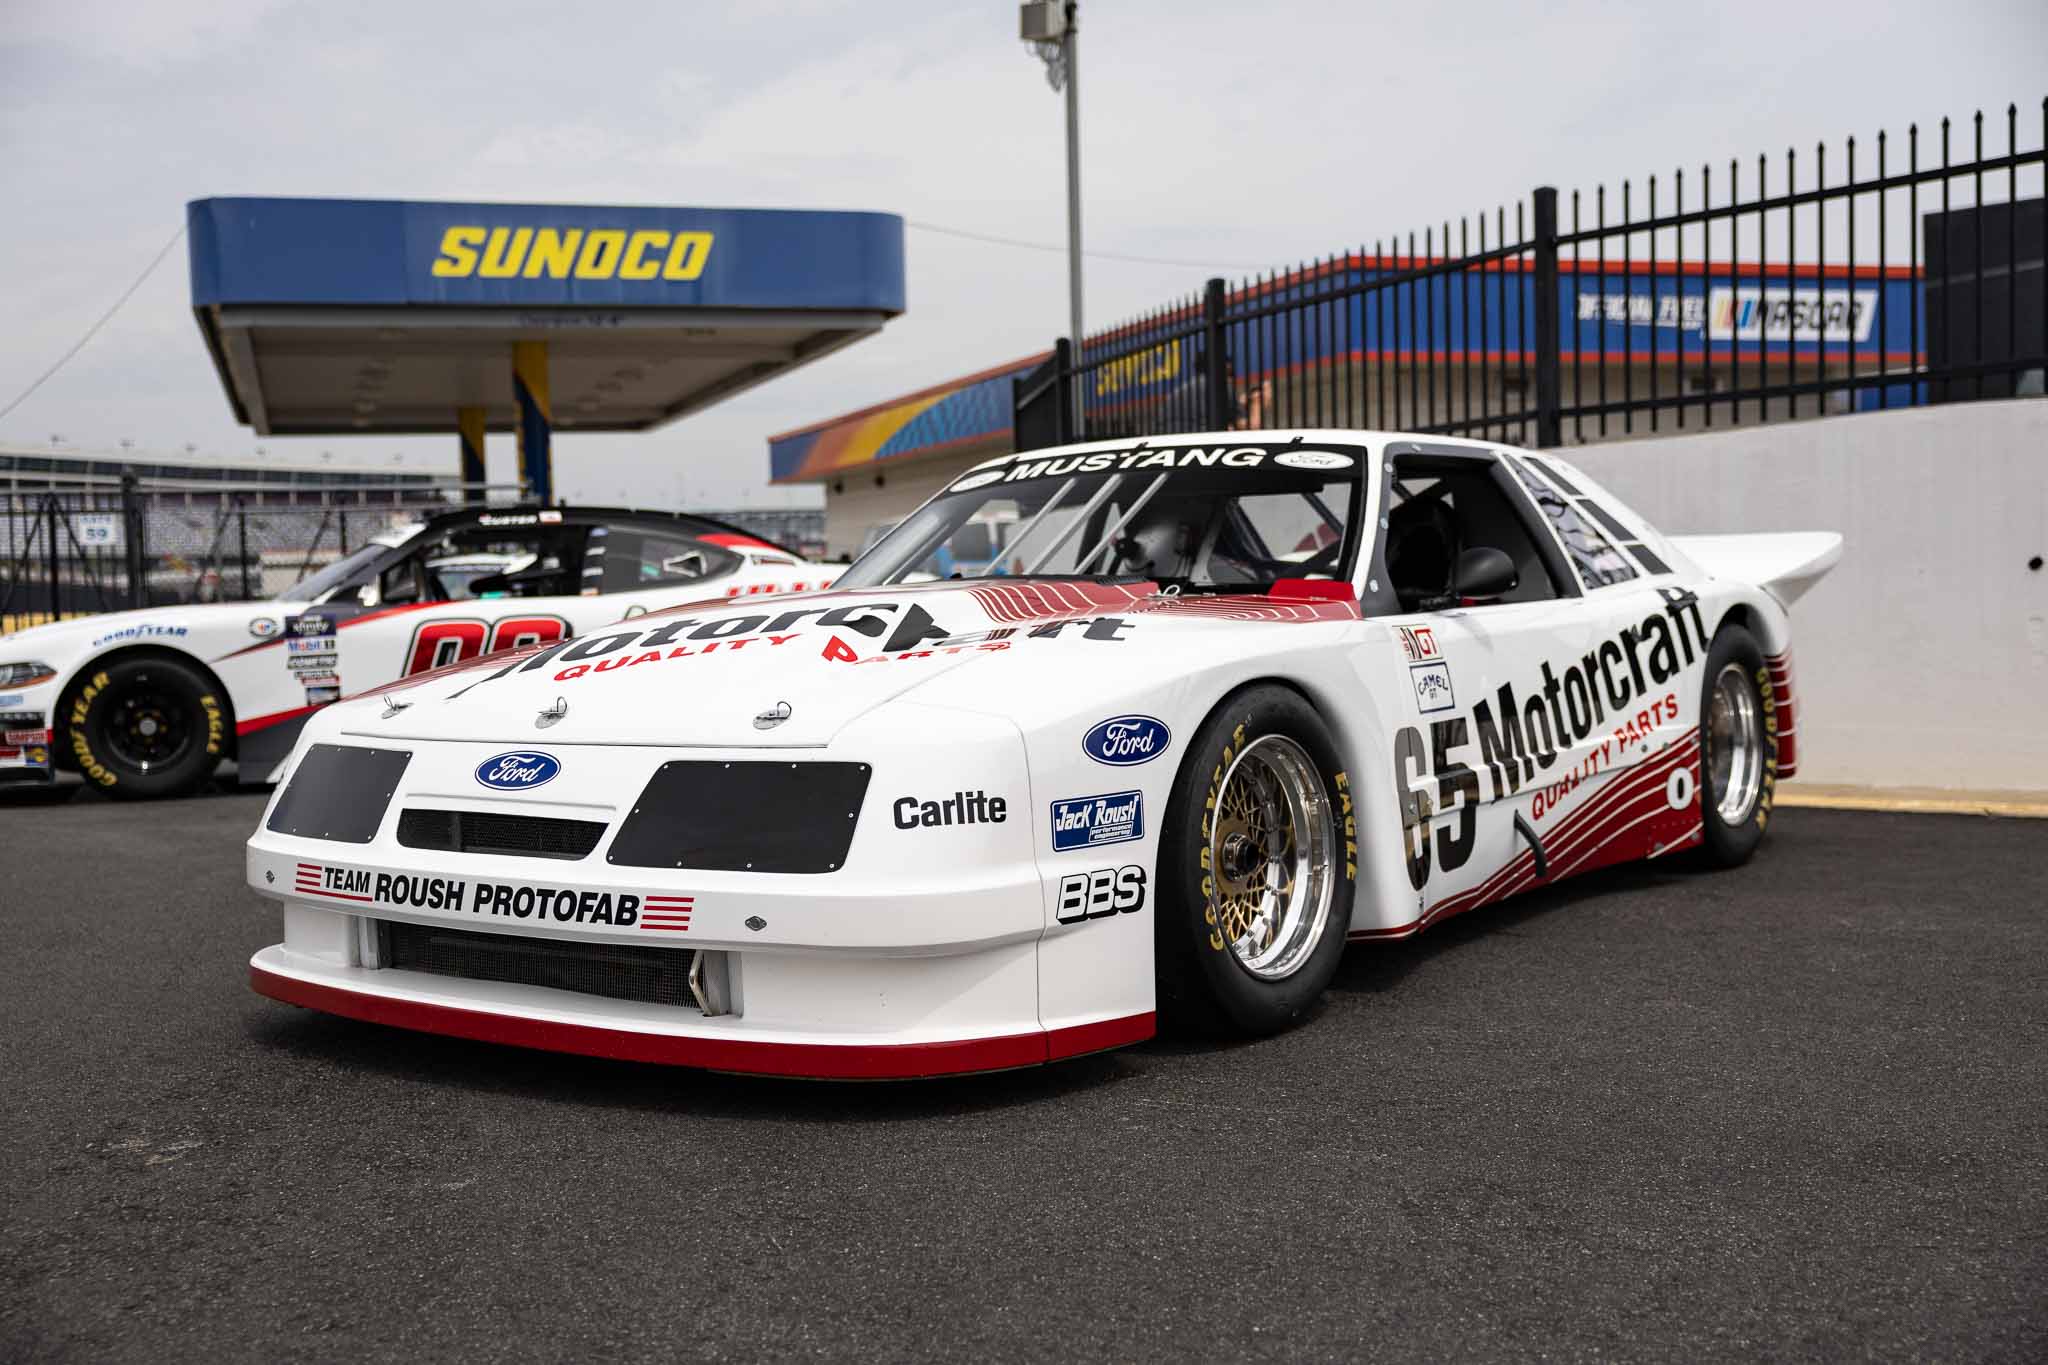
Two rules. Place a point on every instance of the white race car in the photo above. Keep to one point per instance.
(1220, 703)
(147, 703)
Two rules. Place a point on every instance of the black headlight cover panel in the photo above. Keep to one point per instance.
(339, 792)
(744, 817)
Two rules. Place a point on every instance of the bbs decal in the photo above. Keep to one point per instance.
(1103, 892)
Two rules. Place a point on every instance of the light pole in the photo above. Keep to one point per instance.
(1052, 28)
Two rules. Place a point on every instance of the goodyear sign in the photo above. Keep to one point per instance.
(357, 252)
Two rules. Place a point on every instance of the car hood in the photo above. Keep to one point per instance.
(701, 674)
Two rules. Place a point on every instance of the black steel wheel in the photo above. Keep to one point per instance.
(144, 727)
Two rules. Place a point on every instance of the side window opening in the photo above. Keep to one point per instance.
(628, 558)
(1592, 507)
(482, 561)
(1593, 556)
(1441, 508)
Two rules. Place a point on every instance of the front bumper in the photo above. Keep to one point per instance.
(536, 1018)
(919, 957)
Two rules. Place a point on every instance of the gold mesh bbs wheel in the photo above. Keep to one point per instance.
(1270, 845)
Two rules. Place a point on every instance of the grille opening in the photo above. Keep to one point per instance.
(651, 976)
(524, 836)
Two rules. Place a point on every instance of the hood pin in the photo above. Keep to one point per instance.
(773, 716)
(392, 706)
(550, 714)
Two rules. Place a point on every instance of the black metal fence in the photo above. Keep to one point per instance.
(76, 551)
(1890, 273)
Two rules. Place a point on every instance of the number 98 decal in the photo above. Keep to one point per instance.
(1105, 891)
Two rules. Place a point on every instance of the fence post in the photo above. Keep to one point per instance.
(1064, 380)
(242, 534)
(50, 526)
(131, 526)
(1215, 361)
(1549, 380)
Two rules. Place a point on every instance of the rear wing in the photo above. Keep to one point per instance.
(1784, 564)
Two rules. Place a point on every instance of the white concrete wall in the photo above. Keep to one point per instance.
(1922, 659)
(905, 486)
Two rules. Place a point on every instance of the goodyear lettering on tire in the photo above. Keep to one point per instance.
(1342, 782)
(88, 763)
(1770, 782)
(1223, 761)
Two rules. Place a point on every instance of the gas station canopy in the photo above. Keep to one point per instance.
(350, 316)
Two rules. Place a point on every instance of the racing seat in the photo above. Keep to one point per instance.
(1161, 543)
(1422, 552)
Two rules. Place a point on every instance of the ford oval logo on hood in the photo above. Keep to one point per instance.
(518, 771)
(1124, 740)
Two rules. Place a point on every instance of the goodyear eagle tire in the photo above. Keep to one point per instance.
(146, 727)
(1738, 748)
(1257, 865)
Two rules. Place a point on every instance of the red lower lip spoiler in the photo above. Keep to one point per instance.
(818, 1061)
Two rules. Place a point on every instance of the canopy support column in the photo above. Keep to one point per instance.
(536, 420)
(470, 422)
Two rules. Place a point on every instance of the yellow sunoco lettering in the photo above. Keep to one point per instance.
(501, 263)
(553, 253)
(636, 268)
(458, 251)
(601, 252)
(687, 253)
(502, 253)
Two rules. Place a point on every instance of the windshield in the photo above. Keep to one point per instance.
(312, 588)
(1203, 519)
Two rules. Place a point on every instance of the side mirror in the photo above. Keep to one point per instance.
(1484, 574)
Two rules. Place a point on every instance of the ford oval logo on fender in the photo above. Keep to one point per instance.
(518, 771)
(1121, 741)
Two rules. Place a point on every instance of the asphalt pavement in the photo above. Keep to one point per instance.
(1792, 1111)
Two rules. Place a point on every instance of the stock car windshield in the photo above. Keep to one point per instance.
(1200, 518)
(313, 587)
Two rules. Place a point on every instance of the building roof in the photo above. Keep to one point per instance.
(339, 315)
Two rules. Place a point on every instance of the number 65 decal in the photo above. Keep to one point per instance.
(1412, 767)
(454, 640)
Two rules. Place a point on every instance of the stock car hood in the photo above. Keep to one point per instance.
(700, 675)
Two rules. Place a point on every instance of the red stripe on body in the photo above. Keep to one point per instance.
(1587, 831)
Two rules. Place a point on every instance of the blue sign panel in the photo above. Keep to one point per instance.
(351, 252)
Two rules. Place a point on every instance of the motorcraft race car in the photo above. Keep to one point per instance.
(147, 703)
(1222, 703)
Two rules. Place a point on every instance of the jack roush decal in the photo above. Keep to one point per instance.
(471, 898)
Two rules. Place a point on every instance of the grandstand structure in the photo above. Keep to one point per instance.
(34, 469)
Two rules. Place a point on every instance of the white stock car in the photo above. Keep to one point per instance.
(1223, 702)
(147, 703)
